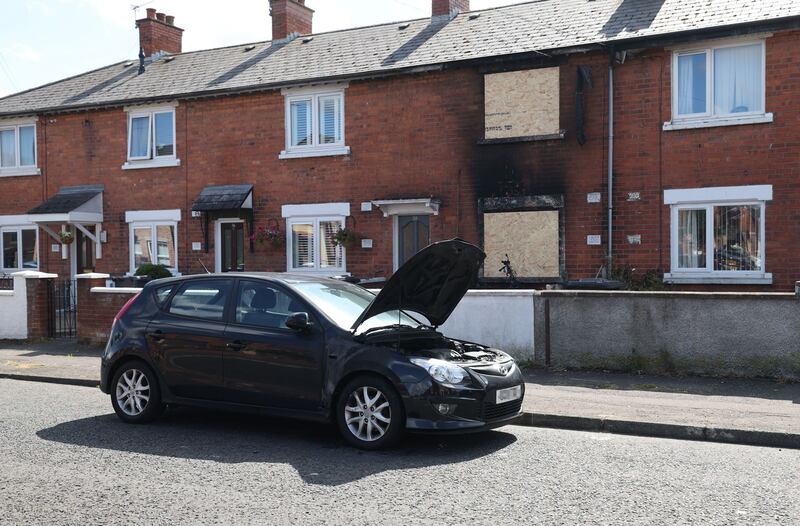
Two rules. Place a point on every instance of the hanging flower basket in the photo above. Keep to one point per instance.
(346, 237)
(66, 237)
(271, 235)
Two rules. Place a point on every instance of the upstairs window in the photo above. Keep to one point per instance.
(151, 138)
(17, 149)
(724, 83)
(314, 124)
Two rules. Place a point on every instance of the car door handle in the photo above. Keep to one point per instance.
(235, 345)
(157, 336)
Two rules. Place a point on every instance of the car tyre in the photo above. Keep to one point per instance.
(135, 393)
(370, 413)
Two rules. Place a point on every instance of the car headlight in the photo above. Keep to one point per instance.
(442, 371)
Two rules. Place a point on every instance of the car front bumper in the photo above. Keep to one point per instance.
(475, 408)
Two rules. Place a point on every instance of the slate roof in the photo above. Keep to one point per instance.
(67, 199)
(226, 197)
(542, 25)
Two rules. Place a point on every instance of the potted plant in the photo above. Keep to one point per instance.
(346, 237)
(150, 271)
(66, 237)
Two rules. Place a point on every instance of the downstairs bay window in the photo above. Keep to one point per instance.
(153, 238)
(310, 231)
(19, 248)
(718, 235)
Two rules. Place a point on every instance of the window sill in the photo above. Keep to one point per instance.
(16, 172)
(713, 122)
(559, 135)
(152, 163)
(314, 152)
(718, 279)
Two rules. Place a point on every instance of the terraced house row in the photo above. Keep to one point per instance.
(566, 138)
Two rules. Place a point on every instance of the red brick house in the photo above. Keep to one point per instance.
(495, 126)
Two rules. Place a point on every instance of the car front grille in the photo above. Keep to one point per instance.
(495, 411)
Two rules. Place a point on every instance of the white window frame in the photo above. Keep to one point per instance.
(152, 159)
(708, 118)
(21, 169)
(18, 230)
(315, 149)
(314, 214)
(706, 199)
(152, 219)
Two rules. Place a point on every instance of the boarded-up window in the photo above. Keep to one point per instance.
(522, 103)
(529, 238)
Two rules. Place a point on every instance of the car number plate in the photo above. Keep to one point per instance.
(507, 395)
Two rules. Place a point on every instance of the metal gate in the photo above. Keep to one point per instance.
(62, 308)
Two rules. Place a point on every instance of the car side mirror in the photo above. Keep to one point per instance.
(299, 322)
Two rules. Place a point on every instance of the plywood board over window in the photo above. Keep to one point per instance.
(529, 238)
(522, 103)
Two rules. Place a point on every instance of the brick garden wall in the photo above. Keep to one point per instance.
(96, 311)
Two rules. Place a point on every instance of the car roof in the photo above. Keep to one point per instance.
(283, 277)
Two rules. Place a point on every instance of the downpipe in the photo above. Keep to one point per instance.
(609, 261)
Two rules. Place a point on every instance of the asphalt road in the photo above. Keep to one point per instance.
(66, 459)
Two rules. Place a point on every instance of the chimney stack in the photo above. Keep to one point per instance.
(449, 7)
(290, 18)
(158, 33)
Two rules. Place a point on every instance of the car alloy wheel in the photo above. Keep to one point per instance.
(368, 413)
(135, 395)
(133, 392)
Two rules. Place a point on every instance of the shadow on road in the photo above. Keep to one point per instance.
(316, 451)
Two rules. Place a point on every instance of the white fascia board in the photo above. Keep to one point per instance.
(146, 108)
(85, 217)
(425, 206)
(18, 121)
(136, 216)
(716, 194)
(16, 220)
(315, 89)
(314, 210)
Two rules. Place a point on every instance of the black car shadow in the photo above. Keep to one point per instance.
(316, 451)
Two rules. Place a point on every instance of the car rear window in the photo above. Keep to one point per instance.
(201, 299)
(162, 294)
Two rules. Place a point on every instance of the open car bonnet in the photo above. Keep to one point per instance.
(431, 283)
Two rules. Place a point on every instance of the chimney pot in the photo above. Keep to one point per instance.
(290, 17)
(158, 33)
(449, 7)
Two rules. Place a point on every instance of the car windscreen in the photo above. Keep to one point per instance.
(344, 302)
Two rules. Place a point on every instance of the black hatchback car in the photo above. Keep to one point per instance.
(314, 348)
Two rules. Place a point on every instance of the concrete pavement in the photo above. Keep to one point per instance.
(759, 412)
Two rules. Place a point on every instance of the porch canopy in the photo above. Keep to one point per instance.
(232, 200)
(78, 206)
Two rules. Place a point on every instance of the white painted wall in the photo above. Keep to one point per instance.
(499, 318)
(14, 311)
